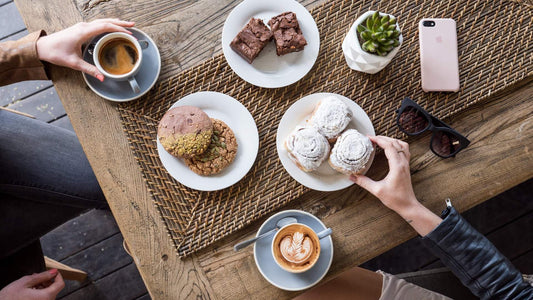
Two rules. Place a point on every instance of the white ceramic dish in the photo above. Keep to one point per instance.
(239, 119)
(325, 178)
(269, 70)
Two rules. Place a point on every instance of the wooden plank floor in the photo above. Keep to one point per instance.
(92, 242)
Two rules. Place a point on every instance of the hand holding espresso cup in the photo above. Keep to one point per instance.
(119, 56)
(63, 48)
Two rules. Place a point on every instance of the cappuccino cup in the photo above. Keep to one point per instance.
(118, 56)
(296, 247)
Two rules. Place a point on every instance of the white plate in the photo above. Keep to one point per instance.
(324, 178)
(269, 70)
(238, 118)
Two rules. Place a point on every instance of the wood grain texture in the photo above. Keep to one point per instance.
(187, 32)
(501, 131)
(96, 120)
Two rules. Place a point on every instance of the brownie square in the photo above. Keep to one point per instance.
(251, 39)
(287, 33)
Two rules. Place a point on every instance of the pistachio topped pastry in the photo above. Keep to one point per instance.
(219, 154)
(185, 131)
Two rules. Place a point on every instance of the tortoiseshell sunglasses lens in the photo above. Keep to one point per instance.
(413, 121)
(445, 143)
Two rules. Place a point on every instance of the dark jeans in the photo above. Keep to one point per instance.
(45, 180)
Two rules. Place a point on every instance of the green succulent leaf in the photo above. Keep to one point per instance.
(375, 16)
(375, 27)
(380, 35)
(369, 23)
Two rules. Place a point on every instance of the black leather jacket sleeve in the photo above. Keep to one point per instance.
(474, 259)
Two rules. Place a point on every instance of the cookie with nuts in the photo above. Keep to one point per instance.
(185, 131)
(219, 154)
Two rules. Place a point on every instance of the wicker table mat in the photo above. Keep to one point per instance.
(494, 52)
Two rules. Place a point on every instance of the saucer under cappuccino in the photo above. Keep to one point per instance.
(118, 56)
(296, 248)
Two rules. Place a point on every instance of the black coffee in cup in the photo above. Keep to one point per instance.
(118, 56)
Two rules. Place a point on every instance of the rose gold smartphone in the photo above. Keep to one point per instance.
(438, 55)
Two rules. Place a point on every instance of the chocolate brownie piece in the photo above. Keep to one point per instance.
(287, 33)
(251, 39)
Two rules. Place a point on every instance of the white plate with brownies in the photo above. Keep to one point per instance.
(322, 139)
(270, 43)
(207, 141)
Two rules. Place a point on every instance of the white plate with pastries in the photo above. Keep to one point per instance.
(325, 178)
(238, 118)
(269, 70)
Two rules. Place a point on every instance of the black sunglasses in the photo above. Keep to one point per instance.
(445, 142)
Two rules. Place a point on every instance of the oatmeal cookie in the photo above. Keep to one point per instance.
(185, 131)
(219, 154)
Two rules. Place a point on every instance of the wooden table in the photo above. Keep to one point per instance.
(501, 131)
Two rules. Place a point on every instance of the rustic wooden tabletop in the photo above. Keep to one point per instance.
(187, 33)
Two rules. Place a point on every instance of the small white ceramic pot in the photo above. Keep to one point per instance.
(360, 60)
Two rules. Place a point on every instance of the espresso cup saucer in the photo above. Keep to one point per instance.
(280, 278)
(120, 91)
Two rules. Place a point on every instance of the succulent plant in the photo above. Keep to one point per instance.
(380, 35)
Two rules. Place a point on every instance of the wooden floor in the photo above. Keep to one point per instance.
(92, 242)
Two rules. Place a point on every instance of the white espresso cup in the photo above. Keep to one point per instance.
(296, 247)
(128, 76)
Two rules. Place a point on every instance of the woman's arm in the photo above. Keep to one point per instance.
(466, 252)
(22, 59)
(396, 190)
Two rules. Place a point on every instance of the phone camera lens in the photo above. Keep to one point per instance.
(428, 24)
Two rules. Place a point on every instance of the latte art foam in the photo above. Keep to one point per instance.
(296, 248)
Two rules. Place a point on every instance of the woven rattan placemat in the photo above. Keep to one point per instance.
(494, 52)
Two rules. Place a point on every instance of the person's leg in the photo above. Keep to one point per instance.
(354, 284)
(45, 179)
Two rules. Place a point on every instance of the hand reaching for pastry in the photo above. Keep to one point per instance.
(63, 48)
(395, 190)
(42, 286)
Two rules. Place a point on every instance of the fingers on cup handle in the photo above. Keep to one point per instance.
(116, 22)
(89, 69)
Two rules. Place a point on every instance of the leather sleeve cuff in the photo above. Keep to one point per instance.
(19, 60)
(474, 259)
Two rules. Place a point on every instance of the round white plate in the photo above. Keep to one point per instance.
(238, 118)
(280, 278)
(324, 178)
(269, 70)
